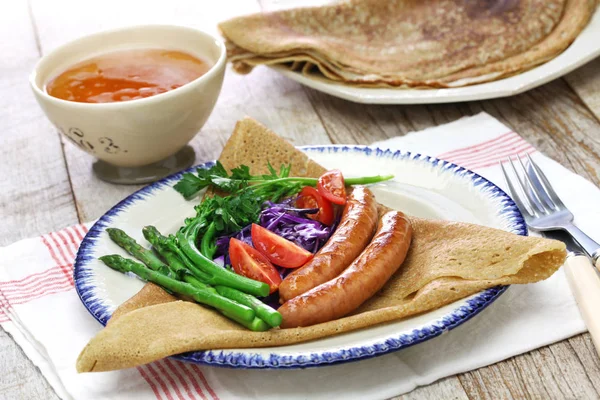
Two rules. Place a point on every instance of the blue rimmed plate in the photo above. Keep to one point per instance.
(423, 186)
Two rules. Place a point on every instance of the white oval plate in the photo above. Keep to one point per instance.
(423, 186)
(585, 48)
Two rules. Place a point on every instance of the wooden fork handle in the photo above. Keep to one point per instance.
(585, 285)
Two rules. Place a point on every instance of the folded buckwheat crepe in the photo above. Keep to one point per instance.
(408, 43)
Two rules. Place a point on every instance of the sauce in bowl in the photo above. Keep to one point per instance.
(126, 75)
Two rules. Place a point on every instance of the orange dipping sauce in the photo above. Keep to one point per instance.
(126, 75)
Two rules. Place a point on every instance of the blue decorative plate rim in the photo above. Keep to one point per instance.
(233, 359)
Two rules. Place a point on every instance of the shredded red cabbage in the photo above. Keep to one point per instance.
(292, 224)
(287, 221)
(223, 243)
(220, 261)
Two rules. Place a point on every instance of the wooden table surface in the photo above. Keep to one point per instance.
(47, 183)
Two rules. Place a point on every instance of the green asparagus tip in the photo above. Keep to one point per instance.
(115, 233)
(150, 233)
(116, 262)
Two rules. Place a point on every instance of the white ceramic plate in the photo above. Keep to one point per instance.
(423, 186)
(585, 48)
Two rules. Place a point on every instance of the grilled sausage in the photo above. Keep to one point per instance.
(361, 280)
(356, 228)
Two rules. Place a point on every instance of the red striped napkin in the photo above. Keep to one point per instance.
(490, 152)
(60, 249)
(40, 308)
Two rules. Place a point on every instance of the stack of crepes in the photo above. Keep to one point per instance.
(408, 43)
(446, 261)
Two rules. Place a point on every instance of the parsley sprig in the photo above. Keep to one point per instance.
(240, 178)
(229, 214)
(248, 193)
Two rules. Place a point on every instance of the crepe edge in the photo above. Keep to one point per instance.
(579, 14)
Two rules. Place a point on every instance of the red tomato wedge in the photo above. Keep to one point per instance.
(309, 197)
(331, 186)
(249, 262)
(277, 249)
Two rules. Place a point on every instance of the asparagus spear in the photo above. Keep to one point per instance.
(218, 276)
(175, 269)
(135, 249)
(182, 272)
(168, 249)
(235, 311)
(263, 311)
(157, 240)
(256, 325)
(152, 261)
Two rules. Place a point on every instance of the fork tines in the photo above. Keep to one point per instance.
(535, 194)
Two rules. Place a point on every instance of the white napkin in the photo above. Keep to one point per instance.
(41, 310)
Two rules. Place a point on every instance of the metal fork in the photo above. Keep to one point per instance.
(545, 212)
(542, 208)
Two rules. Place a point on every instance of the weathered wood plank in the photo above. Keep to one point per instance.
(585, 81)
(33, 173)
(20, 379)
(587, 354)
(348, 122)
(552, 372)
(559, 124)
(489, 383)
(35, 193)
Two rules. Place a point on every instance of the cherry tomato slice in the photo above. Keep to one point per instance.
(310, 198)
(331, 186)
(277, 249)
(249, 262)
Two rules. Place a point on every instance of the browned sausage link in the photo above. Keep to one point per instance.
(367, 274)
(356, 228)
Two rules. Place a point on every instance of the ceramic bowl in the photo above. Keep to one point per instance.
(138, 132)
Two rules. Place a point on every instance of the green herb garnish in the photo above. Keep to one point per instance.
(217, 176)
(248, 193)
